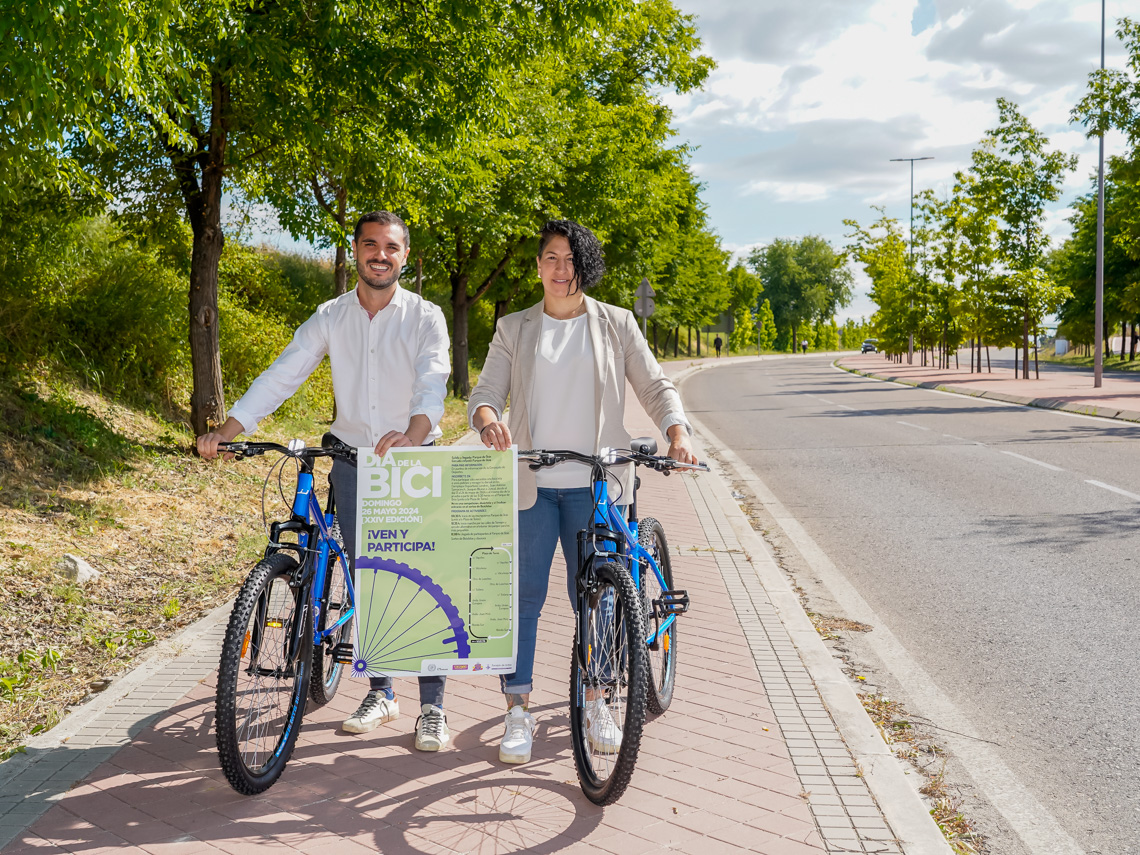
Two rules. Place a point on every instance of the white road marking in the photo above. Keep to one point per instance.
(1112, 489)
(1031, 460)
(951, 436)
(845, 407)
(908, 424)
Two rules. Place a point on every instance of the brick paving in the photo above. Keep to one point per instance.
(747, 759)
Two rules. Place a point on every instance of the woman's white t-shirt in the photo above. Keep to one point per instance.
(562, 405)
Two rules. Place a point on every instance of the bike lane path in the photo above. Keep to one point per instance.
(748, 758)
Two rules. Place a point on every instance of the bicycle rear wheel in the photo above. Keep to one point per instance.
(325, 679)
(608, 685)
(662, 653)
(262, 683)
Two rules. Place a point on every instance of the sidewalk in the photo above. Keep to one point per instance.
(748, 758)
(1071, 390)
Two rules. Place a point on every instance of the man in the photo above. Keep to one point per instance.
(388, 349)
(718, 342)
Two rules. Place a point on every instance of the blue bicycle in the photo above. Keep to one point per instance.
(625, 641)
(289, 634)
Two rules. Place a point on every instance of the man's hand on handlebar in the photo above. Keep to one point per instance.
(208, 443)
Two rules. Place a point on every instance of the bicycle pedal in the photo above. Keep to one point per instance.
(675, 602)
(342, 653)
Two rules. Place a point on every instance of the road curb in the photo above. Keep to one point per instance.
(1025, 401)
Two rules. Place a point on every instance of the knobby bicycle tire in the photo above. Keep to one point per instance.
(326, 674)
(615, 636)
(261, 689)
(662, 661)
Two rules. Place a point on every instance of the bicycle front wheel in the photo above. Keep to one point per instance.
(608, 685)
(663, 646)
(335, 603)
(263, 677)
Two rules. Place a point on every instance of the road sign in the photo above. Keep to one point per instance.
(644, 306)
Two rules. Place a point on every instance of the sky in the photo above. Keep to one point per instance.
(795, 129)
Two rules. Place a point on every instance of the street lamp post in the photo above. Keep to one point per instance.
(911, 160)
(1098, 335)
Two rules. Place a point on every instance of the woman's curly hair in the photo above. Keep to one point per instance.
(589, 263)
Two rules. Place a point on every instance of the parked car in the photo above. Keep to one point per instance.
(870, 345)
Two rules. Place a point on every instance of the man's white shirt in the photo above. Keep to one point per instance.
(384, 370)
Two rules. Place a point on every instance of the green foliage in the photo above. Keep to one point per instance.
(854, 333)
(804, 281)
(826, 336)
(767, 323)
(15, 677)
(882, 252)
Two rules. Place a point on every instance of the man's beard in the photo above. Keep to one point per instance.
(378, 283)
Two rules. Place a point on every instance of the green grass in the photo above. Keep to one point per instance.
(1111, 363)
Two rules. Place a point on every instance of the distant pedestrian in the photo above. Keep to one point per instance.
(717, 343)
(803, 345)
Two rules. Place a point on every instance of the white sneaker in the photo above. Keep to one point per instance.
(431, 729)
(374, 710)
(519, 736)
(602, 731)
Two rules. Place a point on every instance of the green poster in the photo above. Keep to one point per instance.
(436, 578)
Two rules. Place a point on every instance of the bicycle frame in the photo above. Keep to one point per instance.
(306, 511)
(610, 526)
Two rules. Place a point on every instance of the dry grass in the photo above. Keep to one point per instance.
(171, 535)
(912, 743)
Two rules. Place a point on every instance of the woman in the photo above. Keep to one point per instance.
(564, 364)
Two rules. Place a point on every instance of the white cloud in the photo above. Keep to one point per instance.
(810, 101)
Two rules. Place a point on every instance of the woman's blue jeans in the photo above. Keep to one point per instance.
(555, 515)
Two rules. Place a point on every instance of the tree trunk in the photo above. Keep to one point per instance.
(500, 310)
(1123, 335)
(655, 354)
(340, 270)
(1135, 336)
(676, 340)
(698, 341)
(420, 277)
(204, 209)
(1025, 344)
(460, 306)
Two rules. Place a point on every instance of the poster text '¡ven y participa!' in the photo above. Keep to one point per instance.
(436, 579)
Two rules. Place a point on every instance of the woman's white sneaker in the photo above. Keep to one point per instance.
(602, 731)
(518, 739)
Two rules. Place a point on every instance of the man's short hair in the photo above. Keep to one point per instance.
(384, 218)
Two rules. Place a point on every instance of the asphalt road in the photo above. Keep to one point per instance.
(997, 543)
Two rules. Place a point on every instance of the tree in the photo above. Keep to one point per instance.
(766, 320)
(882, 251)
(252, 77)
(805, 280)
(1019, 176)
(745, 289)
(589, 141)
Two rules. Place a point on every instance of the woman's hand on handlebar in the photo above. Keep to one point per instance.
(496, 435)
(680, 445)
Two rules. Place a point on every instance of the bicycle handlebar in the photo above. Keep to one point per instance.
(330, 447)
(541, 458)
